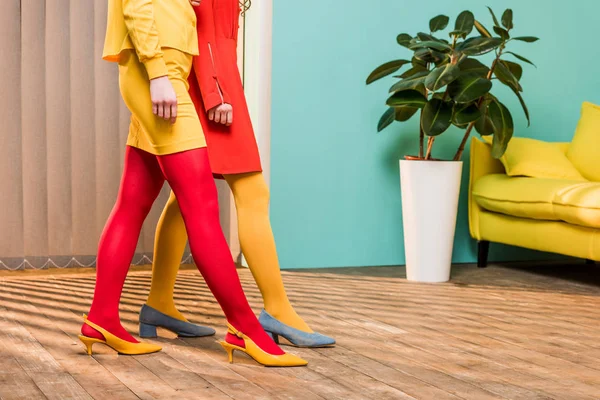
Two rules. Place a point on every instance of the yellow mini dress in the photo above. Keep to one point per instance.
(150, 39)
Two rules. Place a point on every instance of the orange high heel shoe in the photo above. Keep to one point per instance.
(119, 345)
(258, 354)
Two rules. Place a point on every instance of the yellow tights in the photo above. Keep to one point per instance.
(258, 246)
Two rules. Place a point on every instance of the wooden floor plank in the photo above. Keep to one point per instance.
(35, 360)
(217, 373)
(19, 386)
(248, 369)
(499, 333)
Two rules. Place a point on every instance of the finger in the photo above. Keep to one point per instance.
(211, 115)
(155, 108)
(173, 113)
(229, 118)
(217, 117)
(161, 109)
(167, 111)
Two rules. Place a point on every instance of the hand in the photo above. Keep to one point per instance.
(164, 98)
(195, 3)
(221, 114)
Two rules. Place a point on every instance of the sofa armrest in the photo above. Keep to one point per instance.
(482, 163)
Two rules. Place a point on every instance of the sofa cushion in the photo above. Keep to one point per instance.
(579, 204)
(574, 202)
(519, 196)
(584, 151)
(537, 159)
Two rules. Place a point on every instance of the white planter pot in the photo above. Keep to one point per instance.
(430, 192)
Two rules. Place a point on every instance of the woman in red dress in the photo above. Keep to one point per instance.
(217, 91)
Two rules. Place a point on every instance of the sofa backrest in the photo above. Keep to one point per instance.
(584, 150)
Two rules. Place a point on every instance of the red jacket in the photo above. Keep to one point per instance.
(207, 64)
(215, 79)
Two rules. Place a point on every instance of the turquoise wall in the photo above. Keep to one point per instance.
(334, 180)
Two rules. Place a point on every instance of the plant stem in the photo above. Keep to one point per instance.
(421, 131)
(461, 148)
(421, 140)
(430, 141)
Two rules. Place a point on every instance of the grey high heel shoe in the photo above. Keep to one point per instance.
(150, 319)
(296, 337)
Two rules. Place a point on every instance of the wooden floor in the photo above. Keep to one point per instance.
(499, 333)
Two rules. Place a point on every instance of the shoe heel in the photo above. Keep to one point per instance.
(229, 349)
(273, 336)
(147, 331)
(88, 342)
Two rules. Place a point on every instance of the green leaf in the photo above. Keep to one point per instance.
(418, 63)
(473, 66)
(436, 117)
(528, 39)
(410, 98)
(465, 22)
(438, 23)
(506, 76)
(460, 126)
(405, 113)
(421, 89)
(429, 55)
(441, 76)
(502, 123)
(385, 70)
(482, 29)
(411, 82)
(411, 72)
(425, 37)
(479, 45)
(468, 88)
(484, 125)
(507, 19)
(439, 46)
(503, 33)
(465, 114)
(404, 39)
(520, 57)
(445, 61)
(494, 17)
(525, 109)
(458, 34)
(386, 119)
(515, 68)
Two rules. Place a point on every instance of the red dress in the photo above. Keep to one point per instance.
(215, 79)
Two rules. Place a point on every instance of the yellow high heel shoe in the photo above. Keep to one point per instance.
(258, 354)
(119, 345)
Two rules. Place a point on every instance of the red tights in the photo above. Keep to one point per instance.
(189, 175)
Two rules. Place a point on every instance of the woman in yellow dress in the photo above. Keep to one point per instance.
(154, 42)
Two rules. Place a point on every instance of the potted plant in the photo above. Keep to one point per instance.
(445, 84)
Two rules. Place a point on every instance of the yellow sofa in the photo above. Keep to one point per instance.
(558, 215)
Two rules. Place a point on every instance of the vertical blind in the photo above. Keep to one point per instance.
(63, 128)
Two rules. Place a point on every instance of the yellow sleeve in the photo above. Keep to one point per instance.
(139, 18)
